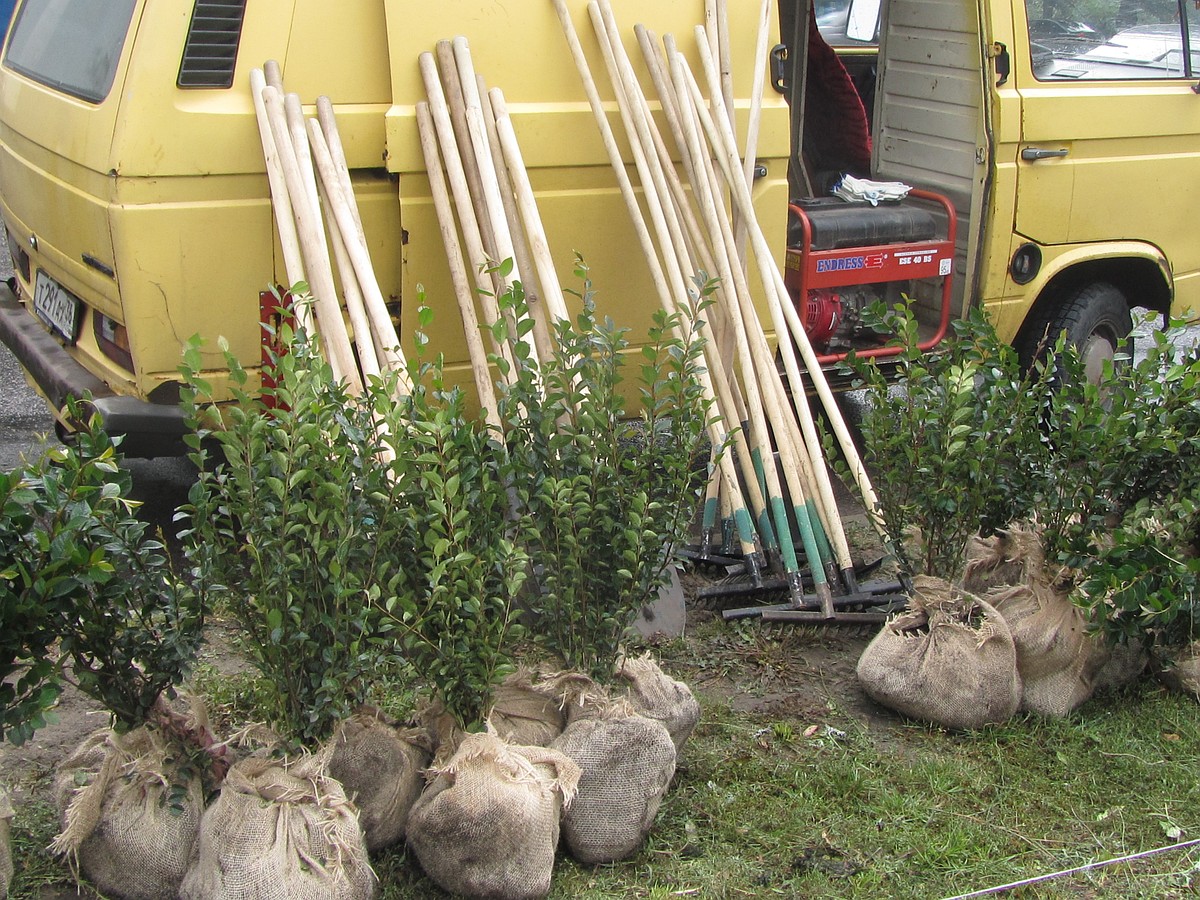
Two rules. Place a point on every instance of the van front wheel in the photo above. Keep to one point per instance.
(1097, 323)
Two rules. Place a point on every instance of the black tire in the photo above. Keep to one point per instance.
(1096, 320)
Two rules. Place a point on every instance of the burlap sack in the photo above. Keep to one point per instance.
(1056, 656)
(381, 768)
(280, 831)
(443, 730)
(6, 863)
(656, 695)
(1012, 556)
(1182, 671)
(487, 824)
(129, 815)
(949, 659)
(524, 715)
(627, 762)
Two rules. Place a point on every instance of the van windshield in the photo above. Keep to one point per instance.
(70, 45)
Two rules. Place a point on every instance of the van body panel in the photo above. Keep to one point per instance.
(151, 204)
(56, 168)
(237, 233)
(1124, 142)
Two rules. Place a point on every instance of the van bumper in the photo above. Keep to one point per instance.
(145, 429)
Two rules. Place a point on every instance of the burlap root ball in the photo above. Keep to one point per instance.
(381, 769)
(130, 817)
(949, 659)
(1181, 671)
(627, 762)
(656, 695)
(524, 715)
(280, 831)
(487, 824)
(1057, 657)
(1060, 661)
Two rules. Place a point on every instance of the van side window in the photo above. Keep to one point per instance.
(1083, 40)
(70, 45)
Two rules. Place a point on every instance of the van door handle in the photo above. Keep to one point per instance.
(1033, 154)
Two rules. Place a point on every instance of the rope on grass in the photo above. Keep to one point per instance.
(1096, 865)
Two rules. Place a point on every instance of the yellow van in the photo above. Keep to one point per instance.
(133, 189)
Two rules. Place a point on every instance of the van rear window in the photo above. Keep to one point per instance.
(70, 45)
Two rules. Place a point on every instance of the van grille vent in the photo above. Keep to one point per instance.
(210, 54)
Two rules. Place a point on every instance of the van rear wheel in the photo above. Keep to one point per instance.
(1097, 323)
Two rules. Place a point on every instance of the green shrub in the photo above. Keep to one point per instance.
(1138, 541)
(950, 438)
(602, 499)
(290, 524)
(450, 603)
(355, 538)
(82, 583)
(960, 440)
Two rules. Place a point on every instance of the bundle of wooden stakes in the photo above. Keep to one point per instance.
(775, 483)
(475, 167)
(690, 230)
(307, 170)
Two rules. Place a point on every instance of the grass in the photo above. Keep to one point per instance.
(769, 805)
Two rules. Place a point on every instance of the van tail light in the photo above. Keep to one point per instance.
(20, 259)
(113, 340)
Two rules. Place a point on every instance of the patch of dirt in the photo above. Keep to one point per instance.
(806, 673)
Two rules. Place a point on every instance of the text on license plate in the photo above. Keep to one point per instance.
(55, 306)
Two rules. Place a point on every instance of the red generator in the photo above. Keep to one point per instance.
(843, 255)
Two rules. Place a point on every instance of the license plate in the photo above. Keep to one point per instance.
(57, 307)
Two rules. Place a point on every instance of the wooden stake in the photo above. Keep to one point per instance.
(281, 204)
(492, 202)
(331, 326)
(539, 244)
(360, 260)
(480, 369)
(542, 331)
(364, 343)
(477, 256)
(717, 433)
(383, 330)
(749, 158)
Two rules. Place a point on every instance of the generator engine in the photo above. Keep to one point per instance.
(842, 256)
(832, 317)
